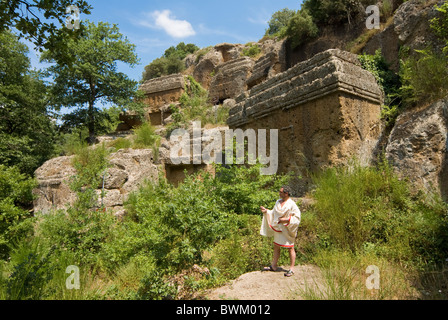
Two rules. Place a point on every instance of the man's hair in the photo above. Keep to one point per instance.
(287, 190)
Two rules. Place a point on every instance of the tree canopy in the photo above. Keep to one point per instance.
(35, 19)
(279, 20)
(26, 129)
(93, 77)
(170, 63)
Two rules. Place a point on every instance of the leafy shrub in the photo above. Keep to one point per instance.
(153, 287)
(162, 67)
(181, 50)
(15, 197)
(244, 251)
(195, 106)
(177, 225)
(120, 143)
(182, 221)
(90, 164)
(424, 74)
(389, 83)
(170, 63)
(82, 228)
(253, 50)
(371, 208)
(335, 11)
(146, 137)
(279, 21)
(439, 25)
(82, 234)
(300, 29)
(32, 270)
(243, 190)
(424, 77)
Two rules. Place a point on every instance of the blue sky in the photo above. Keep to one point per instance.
(153, 26)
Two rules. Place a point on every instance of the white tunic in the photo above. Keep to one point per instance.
(284, 233)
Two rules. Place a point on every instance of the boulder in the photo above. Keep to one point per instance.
(203, 71)
(53, 190)
(128, 171)
(417, 147)
(230, 79)
(229, 51)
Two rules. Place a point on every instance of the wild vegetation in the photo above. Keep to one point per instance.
(361, 216)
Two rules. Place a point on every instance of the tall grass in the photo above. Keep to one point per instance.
(367, 216)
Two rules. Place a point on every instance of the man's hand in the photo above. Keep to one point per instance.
(263, 209)
(283, 220)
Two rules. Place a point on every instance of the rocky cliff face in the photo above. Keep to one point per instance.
(417, 147)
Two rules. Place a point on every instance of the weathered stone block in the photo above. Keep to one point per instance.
(327, 110)
(417, 147)
(230, 79)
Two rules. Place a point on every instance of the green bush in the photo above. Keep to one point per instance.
(279, 20)
(146, 137)
(424, 74)
(179, 224)
(195, 106)
(32, 269)
(170, 63)
(424, 77)
(389, 83)
(335, 11)
(15, 197)
(182, 221)
(82, 234)
(253, 50)
(365, 208)
(153, 287)
(300, 29)
(243, 190)
(120, 143)
(245, 250)
(82, 228)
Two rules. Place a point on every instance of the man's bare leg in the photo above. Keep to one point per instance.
(292, 258)
(276, 256)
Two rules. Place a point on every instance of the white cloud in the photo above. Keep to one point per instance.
(258, 20)
(174, 27)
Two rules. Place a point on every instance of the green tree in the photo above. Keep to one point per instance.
(279, 20)
(170, 63)
(181, 50)
(15, 198)
(27, 133)
(300, 28)
(40, 22)
(94, 77)
(335, 11)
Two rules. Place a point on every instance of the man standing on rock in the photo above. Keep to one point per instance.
(282, 223)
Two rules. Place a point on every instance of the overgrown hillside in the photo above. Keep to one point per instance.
(176, 242)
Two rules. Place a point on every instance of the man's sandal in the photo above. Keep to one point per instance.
(269, 269)
(289, 273)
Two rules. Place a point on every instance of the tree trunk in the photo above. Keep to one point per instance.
(91, 114)
(91, 123)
